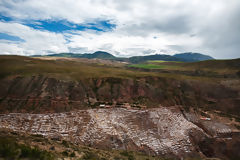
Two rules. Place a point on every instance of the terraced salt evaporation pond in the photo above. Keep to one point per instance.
(157, 131)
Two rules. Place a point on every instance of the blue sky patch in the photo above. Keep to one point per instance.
(63, 25)
(60, 26)
(6, 19)
(8, 37)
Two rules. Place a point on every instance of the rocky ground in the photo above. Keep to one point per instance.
(161, 131)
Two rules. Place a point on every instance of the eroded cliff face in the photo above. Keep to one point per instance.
(41, 94)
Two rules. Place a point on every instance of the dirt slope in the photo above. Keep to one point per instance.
(43, 94)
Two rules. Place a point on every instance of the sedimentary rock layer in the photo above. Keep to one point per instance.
(41, 94)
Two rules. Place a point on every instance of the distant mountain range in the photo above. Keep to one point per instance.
(185, 57)
(189, 56)
(98, 54)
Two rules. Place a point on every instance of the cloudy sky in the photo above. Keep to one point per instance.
(121, 27)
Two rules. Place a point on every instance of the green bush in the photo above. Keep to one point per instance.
(90, 156)
(11, 150)
(72, 154)
(128, 155)
(65, 153)
(65, 143)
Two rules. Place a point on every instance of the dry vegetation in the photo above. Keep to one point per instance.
(17, 65)
(77, 69)
(35, 147)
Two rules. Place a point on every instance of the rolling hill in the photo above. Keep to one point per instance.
(192, 57)
(184, 57)
(98, 54)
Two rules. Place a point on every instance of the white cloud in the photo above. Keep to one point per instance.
(130, 45)
(35, 41)
(11, 48)
(210, 27)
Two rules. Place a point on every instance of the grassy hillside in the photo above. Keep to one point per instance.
(77, 70)
(17, 65)
(142, 59)
(217, 66)
(10, 149)
(233, 64)
(35, 147)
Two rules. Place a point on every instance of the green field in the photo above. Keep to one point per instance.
(147, 66)
(163, 65)
(216, 66)
(159, 61)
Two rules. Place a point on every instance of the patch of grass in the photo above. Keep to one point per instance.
(159, 61)
(90, 156)
(9, 149)
(156, 61)
(129, 155)
(72, 154)
(65, 153)
(163, 65)
(65, 143)
(147, 66)
(217, 66)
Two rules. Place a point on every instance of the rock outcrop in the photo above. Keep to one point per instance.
(41, 94)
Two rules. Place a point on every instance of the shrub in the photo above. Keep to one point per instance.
(9, 149)
(90, 156)
(72, 154)
(128, 155)
(65, 153)
(65, 143)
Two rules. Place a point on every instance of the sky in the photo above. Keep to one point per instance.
(123, 28)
